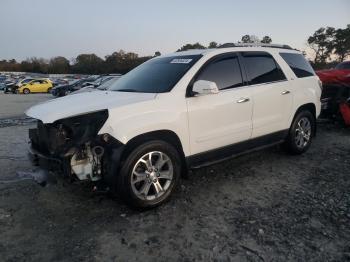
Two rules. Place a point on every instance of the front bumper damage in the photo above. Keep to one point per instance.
(73, 148)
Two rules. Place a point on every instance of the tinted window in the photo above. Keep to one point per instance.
(298, 64)
(262, 68)
(157, 75)
(225, 72)
(342, 66)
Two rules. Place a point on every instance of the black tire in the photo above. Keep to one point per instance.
(291, 144)
(26, 91)
(124, 178)
(49, 90)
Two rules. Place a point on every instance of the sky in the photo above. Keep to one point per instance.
(48, 28)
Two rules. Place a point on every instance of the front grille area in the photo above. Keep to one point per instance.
(48, 138)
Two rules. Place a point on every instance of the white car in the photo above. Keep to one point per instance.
(179, 111)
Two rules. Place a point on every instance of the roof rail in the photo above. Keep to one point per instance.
(226, 45)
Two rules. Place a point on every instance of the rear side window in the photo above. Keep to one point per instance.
(262, 68)
(298, 64)
(225, 72)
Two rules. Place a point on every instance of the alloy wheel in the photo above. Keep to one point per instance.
(152, 175)
(303, 132)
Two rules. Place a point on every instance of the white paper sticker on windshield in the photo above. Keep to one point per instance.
(180, 61)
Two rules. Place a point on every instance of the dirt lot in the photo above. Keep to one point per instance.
(266, 206)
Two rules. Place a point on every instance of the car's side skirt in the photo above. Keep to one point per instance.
(227, 152)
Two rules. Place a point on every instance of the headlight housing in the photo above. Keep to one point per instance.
(83, 127)
(68, 132)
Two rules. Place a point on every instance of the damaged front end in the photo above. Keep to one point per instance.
(74, 147)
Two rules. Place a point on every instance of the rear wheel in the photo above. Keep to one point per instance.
(149, 174)
(301, 133)
(49, 90)
(26, 91)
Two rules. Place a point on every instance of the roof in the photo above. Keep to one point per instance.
(237, 48)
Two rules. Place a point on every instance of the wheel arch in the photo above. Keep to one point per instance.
(311, 107)
(164, 135)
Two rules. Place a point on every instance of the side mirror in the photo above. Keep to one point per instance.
(204, 87)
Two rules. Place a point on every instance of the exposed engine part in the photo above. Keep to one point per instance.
(86, 163)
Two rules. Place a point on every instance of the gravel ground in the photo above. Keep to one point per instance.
(266, 206)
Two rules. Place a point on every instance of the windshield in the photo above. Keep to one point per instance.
(157, 75)
(343, 66)
(108, 83)
(75, 82)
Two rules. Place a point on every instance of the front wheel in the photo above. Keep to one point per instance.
(149, 174)
(301, 133)
(26, 91)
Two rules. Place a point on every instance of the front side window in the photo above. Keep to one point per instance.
(262, 68)
(225, 72)
(298, 64)
(158, 75)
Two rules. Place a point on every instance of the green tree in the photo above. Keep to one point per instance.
(321, 42)
(341, 43)
(247, 39)
(88, 64)
(59, 65)
(266, 40)
(213, 45)
(121, 62)
(191, 46)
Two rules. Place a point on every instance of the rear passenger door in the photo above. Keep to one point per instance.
(271, 93)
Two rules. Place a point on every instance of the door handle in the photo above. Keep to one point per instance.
(243, 100)
(285, 92)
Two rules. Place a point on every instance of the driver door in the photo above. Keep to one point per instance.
(223, 119)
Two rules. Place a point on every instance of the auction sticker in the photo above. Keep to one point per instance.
(180, 61)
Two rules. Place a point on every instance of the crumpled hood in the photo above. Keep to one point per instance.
(79, 104)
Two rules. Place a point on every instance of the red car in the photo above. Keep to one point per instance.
(339, 75)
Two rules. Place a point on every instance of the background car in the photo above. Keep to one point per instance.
(59, 82)
(100, 80)
(338, 75)
(10, 87)
(64, 90)
(336, 90)
(109, 82)
(35, 86)
(24, 81)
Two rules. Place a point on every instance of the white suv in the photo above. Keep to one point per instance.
(179, 111)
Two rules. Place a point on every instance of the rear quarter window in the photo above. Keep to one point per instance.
(298, 64)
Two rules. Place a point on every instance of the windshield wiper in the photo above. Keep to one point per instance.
(126, 90)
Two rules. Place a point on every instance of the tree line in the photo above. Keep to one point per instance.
(117, 62)
(329, 45)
